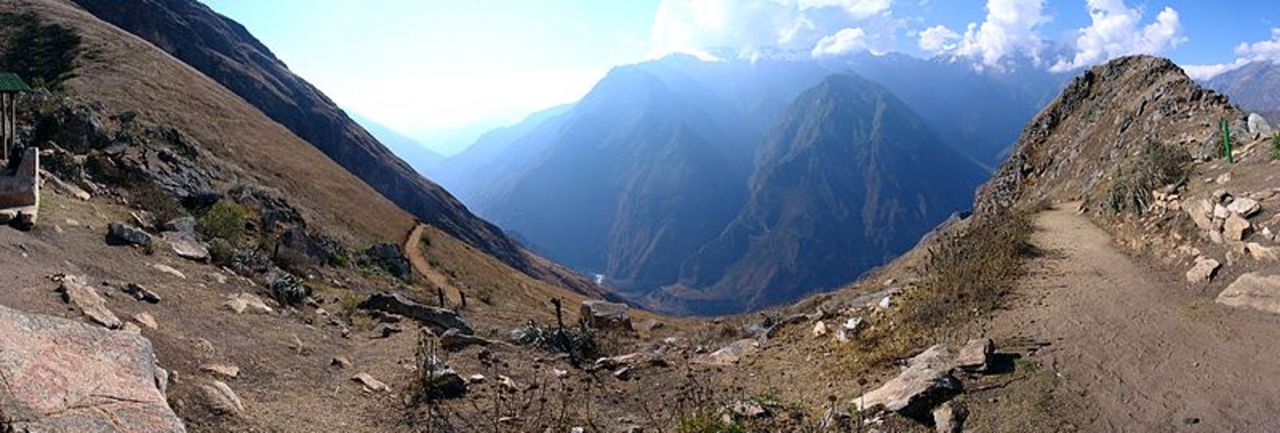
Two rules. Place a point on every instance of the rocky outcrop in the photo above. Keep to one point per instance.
(1254, 291)
(62, 376)
(438, 319)
(925, 383)
(606, 315)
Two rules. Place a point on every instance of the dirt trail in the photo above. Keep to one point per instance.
(1137, 344)
(413, 250)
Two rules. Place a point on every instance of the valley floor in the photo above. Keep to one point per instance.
(1135, 348)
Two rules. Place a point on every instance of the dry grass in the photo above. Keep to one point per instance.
(967, 277)
(1156, 166)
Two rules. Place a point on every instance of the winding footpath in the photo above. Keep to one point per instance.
(1137, 344)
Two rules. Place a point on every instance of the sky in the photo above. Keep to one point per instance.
(442, 71)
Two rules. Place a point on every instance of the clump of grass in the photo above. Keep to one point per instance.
(704, 423)
(577, 341)
(225, 220)
(967, 276)
(1156, 166)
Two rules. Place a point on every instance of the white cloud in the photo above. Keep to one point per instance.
(1246, 52)
(938, 40)
(1117, 30)
(843, 41)
(1010, 29)
(717, 29)
(1262, 50)
(857, 8)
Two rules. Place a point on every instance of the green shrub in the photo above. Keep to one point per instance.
(1157, 166)
(225, 219)
(579, 342)
(289, 290)
(703, 423)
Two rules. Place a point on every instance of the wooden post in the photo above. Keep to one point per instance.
(463, 295)
(5, 132)
(440, 295)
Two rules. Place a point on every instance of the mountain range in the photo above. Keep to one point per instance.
(1254, 86)
(664, 173)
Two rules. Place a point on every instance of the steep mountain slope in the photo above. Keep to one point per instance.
(851, 178)
(224, 51)
(1255, 87)
(638, 173)
(422, 159)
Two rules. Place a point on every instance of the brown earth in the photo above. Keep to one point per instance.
(1144, 350)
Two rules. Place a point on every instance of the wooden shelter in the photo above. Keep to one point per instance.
(10, 85)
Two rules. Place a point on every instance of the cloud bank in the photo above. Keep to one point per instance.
(722, 29)
(1117, 30)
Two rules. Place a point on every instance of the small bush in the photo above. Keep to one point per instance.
(1158, 165)
(225, 219)
(704, 423)
(289, 290)
(579, 342)
(1275, 147)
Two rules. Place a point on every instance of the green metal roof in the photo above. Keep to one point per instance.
(9, 82)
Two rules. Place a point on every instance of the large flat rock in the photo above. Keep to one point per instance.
(64, 376)
(1255, 291)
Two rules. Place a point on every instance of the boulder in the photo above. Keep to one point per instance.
(1258, 125)
(606, 315)
(1261, 253)
(1254, 291)
(186, 246)
(86, 299)
(220, 399)
(370, 383)
(975, 355)
(949, 417)
(439, 381)
(182, 225)
(1203, 271)
(64, 376)
(1201, 212)
(728, 355)
(146, 320)
(121, 233)
(1245, 207)
(922, 385)
(438, 319)
(819, 329)
(1236, 228)
(241, 303)
(454, 340)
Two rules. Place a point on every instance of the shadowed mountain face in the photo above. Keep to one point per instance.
(850, 178)
(227, 53)
(422, 159)
(1255, 87)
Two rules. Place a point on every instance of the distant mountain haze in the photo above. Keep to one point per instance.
(663, 175)
(422, 159)
(1254, 87)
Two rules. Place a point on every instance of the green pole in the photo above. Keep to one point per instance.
(1226, 141)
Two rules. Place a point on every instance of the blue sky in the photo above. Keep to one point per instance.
(432, 68)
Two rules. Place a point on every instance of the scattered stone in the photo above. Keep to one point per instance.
(1220, 212)
(141, 293)
(126, 234)
(145, 319)
(186, 246)
(64, 376)
(169, 270)
(606, 315)
(976, 355)
(454, 340)
(444, 382)
(886, 302)
(225, 370)
(181, 225)
(162, 380)
(217, 277)
(221, 399)
(438, 319)
(1261, 253)
(728, 355)
(1236, 228)
(77, 293)
(1220, 195)
(850, 329)
(508, 384)
(633, 360)
(340, 362)
(246, 303)
(386, 331)
(1203, 271)
(370, 384)
(477, 379)
(1223, 178)
(1245, 207)
(819, 329)
(649, 325)
(926, 382)
(1201, 213)
(949, 417)
(1255, 291)
(623, 373)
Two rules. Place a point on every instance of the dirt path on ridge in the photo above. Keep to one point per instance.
(413, 251)
(1138, 346)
